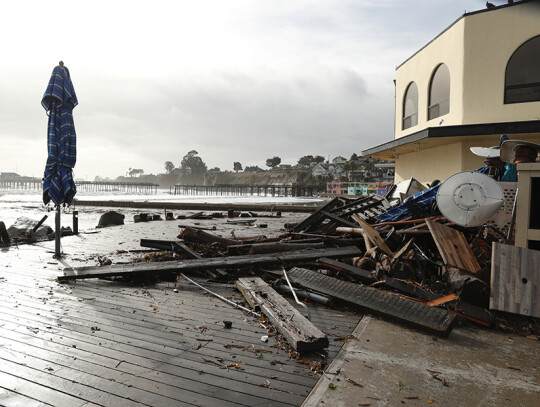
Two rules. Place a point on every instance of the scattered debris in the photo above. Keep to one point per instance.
(396, 256)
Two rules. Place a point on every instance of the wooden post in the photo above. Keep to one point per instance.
(57, 253)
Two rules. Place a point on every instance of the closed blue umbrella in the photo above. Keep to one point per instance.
(58, 186)
(58, 101)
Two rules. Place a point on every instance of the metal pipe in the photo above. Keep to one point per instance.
(319, 299)
(294, 294)
(220, 297)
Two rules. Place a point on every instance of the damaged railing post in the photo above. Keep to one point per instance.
(219, 296)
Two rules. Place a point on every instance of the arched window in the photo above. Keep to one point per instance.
(522, 80)
(410, 106)
(439, 92)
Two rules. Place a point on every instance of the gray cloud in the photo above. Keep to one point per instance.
(285, 78)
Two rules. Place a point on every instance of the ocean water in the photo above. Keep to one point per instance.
(15, 204)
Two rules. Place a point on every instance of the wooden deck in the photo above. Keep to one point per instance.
(111, 343)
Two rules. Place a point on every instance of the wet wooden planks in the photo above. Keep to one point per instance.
(515, 280)
(112, 343)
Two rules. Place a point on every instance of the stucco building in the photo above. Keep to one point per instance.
(476, 80)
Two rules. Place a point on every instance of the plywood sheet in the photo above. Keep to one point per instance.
(453, 247)
(515, 280)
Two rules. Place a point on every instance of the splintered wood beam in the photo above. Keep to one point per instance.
(453, 247)
(373, 235)
(232, 262)
(271, 247)
(191, 234)
(301, 334)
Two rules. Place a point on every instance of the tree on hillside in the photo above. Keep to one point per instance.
(215, 169)
(253, 168)
(305, 161)
(135, 172)
(169, 167)
(237, 166)
(273, 162)
(318, 159)
(354, 157)
(348, 167)
(192, 163)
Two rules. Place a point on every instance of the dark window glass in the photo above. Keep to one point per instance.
(534, 214)
(439, 93)
(523, 73)
(410, 106)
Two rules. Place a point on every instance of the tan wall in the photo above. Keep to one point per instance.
(443, 161)
(476, 50)
(430, 164)
(447, 49)
(503, 30)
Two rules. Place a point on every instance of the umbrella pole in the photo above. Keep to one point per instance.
(57, 253)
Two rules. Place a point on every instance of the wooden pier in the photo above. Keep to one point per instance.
(86, 186)
(26, 185)
(246, 190)
(129, 187)
(122, 343)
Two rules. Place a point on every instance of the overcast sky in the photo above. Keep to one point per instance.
(236, 80)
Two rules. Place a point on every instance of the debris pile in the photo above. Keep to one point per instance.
(424, 260)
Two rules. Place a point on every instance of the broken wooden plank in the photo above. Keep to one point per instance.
(232, 262)
(515, 280)
(453, 247)
(199, 236)
(443, 300)
(272, 247)
(403, 250)
(158, 244)
(337, 219)
(373, 235)
(180, 248)
(356, 273)
(301, 334)
(316, 217)
(432, 319)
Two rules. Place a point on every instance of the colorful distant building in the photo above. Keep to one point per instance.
(336, 187)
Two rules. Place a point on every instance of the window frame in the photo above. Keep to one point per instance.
(432, 106)
(413, 117)
(521, 85)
